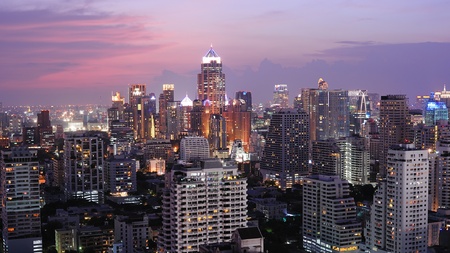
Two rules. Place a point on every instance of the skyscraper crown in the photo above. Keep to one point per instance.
(210, 56)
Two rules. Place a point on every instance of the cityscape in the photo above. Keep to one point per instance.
(118, 136)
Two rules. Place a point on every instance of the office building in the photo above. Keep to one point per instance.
(281, 96)
(203, 203)
(328, 112)
(436, 113)
(443, 171)
(164, 99)
(247, 97)
(238, 122)
(395, 125)
(133, 232)
(399, 214)
(326, 157)
(211, 82)
(194, 148)
(355, 157)
(84, 164)
(20, 201)
(329, 216)
(286, 151)
(120, 174)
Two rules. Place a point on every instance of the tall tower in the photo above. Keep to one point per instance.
(138, 101)
(83, 157)
(203, 203)
(20, 200)
(329, 216)
(285, 156)
(281, 95)
(211, 82)
(247, 97)
(395, 125)
(400, 212)
(164, 99)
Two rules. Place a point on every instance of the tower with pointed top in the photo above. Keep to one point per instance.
(211, 82)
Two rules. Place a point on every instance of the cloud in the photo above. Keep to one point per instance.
(42, 48)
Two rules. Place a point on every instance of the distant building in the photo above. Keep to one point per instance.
(281, 96)
(436, 112)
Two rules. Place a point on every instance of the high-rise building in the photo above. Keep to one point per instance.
(436, 112)
(164, 99)
(395, 125)
(133, 232)
(326, 157)
(286, 157)
(217, 136)
(247, 97)
(355, 155)
(185, 117)
(203, 203)
(120, 174)
(211, 82)
(281, 96)
(20, 200)
(83, 157)
(329, 216)
(399, 214)
(194, 148)
(443, 171)
(139, 102)
(173, 118)
(238, 122)
(328, 112)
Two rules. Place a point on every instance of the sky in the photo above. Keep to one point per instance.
(55, 52)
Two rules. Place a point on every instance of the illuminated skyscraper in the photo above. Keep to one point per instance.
(211, 82)
(83, 158)
(238, 122)
(286, 157)
(20, 201)
(247, 97)
(138, 101)
(436, 112)
(281, 96)
(395, 125)
(164, 99)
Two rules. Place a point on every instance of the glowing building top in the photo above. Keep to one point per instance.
(210, 56)
(117, 97)
(186, 102)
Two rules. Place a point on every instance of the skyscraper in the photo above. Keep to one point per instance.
(164, 99)
(329, 216)
(211, 82)
(203, 203)
(138, 102)
(395, 125)
(286, 152)
(20, 200)
(281, 96)
(238, 122)
(328, 112)
(83, 157)
(194, 148)
(399, 215)
(247, 97)
(436, 112)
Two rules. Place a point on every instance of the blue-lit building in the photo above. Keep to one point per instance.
(436, 112)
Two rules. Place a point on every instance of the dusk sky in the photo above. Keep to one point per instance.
(76, 52)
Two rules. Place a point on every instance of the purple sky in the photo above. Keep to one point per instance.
(77, 52)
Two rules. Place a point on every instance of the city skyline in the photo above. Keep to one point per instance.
(81, 52)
